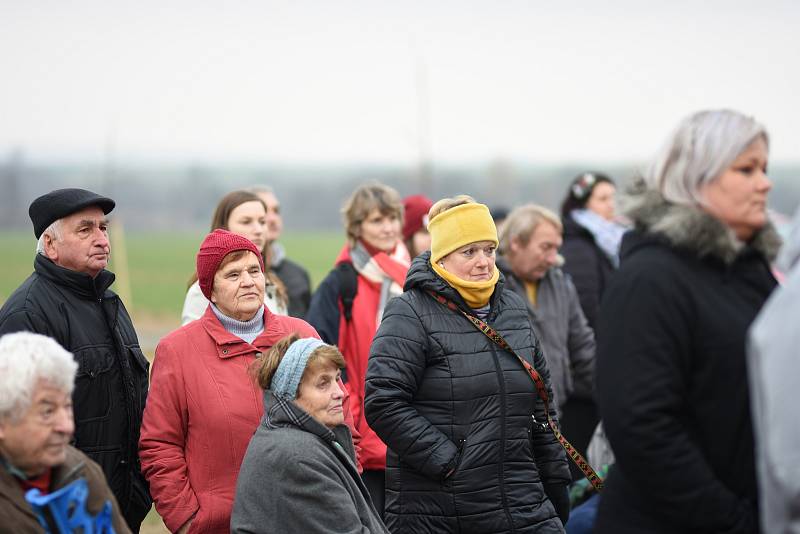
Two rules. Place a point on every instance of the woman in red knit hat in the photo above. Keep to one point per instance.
(203, 405)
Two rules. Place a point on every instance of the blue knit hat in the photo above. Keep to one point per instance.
(286, 379)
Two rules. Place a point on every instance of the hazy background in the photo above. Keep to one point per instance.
(168, 105)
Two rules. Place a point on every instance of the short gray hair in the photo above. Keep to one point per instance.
(698, 151)
(54, 231)
(25, 359)
(522, 222)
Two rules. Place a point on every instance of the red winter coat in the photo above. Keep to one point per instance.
(353, 339)
(201, 412)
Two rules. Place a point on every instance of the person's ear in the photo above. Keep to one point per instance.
(50, 247)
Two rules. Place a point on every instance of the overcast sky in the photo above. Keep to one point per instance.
(380, 81)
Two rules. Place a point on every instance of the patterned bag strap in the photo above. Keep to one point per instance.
(541, 388)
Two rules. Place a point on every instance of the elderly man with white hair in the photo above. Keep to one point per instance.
(37, 377)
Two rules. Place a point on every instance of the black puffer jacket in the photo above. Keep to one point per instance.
(442, 396)
(91, 322)
(672, 381)
(588, 266)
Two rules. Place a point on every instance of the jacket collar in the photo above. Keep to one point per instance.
(421, 275)
(81, 284)
(690, 228)
(230, 345)
(61, 475)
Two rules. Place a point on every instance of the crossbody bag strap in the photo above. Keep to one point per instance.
(541, 388)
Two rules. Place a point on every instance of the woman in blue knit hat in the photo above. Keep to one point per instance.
(303, 448)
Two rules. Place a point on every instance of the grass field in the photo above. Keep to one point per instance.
(159, 266)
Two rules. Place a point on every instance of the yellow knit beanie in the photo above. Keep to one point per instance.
(459, 226)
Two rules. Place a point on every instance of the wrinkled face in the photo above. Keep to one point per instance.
(601, 201)
(39, 439)
(320, 394)
(238, 289)
(738, 197)
(274, 220)
(420, 242)
(532, 261)
(473, 262)
(83, 244)
(381, 231)
(249, 220)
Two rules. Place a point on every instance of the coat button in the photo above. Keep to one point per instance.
(225, 351)
(258, 354)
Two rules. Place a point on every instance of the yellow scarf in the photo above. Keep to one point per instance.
(475, 294)
(531, 288)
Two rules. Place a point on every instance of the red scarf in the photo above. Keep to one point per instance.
(355, 339)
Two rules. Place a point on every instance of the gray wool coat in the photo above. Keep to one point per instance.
(299, 476)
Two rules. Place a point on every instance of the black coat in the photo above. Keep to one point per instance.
(588, 266)
(91, 322)
(298, 286)
(672, 382)
(442, 396)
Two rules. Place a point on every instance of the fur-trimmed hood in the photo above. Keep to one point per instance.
(691, 228)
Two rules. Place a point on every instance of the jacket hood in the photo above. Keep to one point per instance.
(422, 276)
(690, 228)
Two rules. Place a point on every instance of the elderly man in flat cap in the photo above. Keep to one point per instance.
(68, 298)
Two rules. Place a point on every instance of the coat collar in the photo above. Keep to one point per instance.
(692, 229)
(78, 283)
(61, 475)
(230, 345)
(282, 413)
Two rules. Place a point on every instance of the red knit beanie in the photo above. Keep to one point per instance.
(416, 208)
(213, 250)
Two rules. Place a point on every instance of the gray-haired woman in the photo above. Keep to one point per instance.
(303, 448)
(671, 374)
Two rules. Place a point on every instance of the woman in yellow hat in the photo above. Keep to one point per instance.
(466, 428)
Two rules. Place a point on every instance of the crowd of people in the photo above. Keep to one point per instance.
(449, 374)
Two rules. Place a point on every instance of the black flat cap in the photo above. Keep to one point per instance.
(48, 208)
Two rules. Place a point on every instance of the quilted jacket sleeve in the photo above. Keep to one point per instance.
(396, 366)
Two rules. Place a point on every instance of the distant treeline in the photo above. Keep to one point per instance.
(182, 198)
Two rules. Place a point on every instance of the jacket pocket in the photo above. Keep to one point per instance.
(92, 395)
(455, 465)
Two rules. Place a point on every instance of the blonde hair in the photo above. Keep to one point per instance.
(264, 368)
(447, 203)
(366, 198)
(522, 222)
